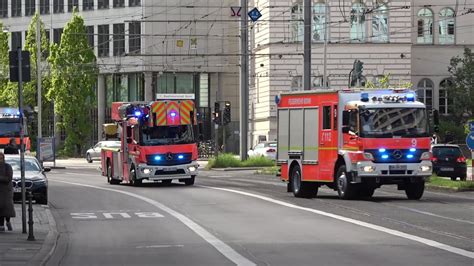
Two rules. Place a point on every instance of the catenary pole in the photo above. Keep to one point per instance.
(244, 80)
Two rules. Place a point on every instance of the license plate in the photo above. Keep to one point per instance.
(173, 169)
(397, 167)
(17, 189)
(448, 169)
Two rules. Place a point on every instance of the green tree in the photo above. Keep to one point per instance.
(461, 92)
(73, 75)
(385, 83)
(4, 67)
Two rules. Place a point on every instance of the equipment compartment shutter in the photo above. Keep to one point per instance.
(311, 134)
(283, 130)
(296, 130)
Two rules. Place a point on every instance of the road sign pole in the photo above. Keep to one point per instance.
(244, 81)
(307, 45)
(22, 149)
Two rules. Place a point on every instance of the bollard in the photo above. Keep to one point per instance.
(31, 236)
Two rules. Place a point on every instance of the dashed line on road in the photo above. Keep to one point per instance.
(422, 240)
(218, 244)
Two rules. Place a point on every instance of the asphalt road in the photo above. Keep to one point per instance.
(239, 218)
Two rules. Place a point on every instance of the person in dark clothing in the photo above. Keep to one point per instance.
(7, 209)
(11, 148)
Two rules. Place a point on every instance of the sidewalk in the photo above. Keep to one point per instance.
(15, 249)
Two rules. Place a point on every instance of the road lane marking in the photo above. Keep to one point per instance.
(222, 247)
(430, 214)
(422, 240)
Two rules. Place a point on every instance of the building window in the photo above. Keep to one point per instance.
(135, 87)
(90, 36)
(3, 8)
(57, 35)
(16, 8)
(102, 4)
(88, 5)
(176, 83)
(119, 39)
(297, 25)
(443, 95)
(358, 26)
(425, 26)
(134, 38)
(30, 7)
(103, 46)
(119, 3)
(71, 4)
(380, 24)
(16, 40)
(204, 90)
(446, 26)
(319, 22)
(296, 83)
(134, 3)
(326, 117)
(425, 93)
(44, 7)
(58, 6)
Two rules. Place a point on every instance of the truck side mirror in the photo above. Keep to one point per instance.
(436, 120)
(345, 118)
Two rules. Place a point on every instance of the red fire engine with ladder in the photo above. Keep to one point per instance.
(157, 141)
(353, 141)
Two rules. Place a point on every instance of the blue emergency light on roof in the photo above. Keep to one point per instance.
(410, 97)
(364, 97)
(137, 113)
(173, 114)
(412, 149)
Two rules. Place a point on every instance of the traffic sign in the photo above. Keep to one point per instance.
(471, 126)
(254, 14)
(470, 140)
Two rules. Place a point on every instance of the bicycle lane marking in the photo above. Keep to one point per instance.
(422, 240)
(219, 245)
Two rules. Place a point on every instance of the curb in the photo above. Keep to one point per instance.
(237, 169)
(50, 242)
(446, 189)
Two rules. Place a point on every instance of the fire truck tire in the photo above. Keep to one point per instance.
(344, 187)
(302, 189)
(110, 179)
(366, 192)
(133, 178)
(415, 190)
(190, 181)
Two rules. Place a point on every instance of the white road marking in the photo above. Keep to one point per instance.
(110, 215)
(161, 246)
(222, 247)
(422, 240)
(431, 214)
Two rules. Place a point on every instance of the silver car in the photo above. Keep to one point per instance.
(93, 154)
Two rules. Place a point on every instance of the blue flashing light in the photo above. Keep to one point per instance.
(180, 156)
(410, 156)
(385, 156)
(410, 97)
(382, 150)
(412, 149)
(173, 114)
(137, 113)
(157, 158)
(364, 97)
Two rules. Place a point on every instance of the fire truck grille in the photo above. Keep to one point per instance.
(168, 159)
(396, 155)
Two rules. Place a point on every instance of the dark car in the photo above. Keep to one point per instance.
(35, 178)
(449, 161)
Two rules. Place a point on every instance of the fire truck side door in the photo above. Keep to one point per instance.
(327, 143)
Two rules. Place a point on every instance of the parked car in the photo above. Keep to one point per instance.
(35, 178)
(93, 154)
(449, 161)
(267, 149)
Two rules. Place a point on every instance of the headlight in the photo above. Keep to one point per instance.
(146, 171)
(368, 169)
(425, 168)
(192, 169)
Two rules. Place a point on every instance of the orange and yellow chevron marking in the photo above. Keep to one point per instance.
(185, 111)
(159, 109)
(173, 107)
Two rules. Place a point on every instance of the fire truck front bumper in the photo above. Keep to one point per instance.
(157, 173)
(368, 169)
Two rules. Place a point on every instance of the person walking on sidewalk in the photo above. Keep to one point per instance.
(7, 209)
(11, 148)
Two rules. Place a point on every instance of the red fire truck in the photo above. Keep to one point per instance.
(10, 127)
(157, 142)
(353, 141)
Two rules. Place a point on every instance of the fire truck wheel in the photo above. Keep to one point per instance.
(189, 181)
(415, 190)
(109, 176)
(366, 192)
(344, 188)
(302, 189)
(133, 178)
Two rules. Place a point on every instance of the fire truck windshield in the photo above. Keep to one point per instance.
(164, 135)
(9, 129)
(390, 122)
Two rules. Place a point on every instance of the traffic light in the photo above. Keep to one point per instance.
(226, 117)
(217, 113)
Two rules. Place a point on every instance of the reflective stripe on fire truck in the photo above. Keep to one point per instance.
(185, 111)
(158, 108)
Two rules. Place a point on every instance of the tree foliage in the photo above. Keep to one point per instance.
(384, 83)
(73, 75)
(4, 67)
(461, 92)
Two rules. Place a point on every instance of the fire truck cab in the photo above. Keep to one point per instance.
(157, 142)
(353, 141)
(10, 126)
